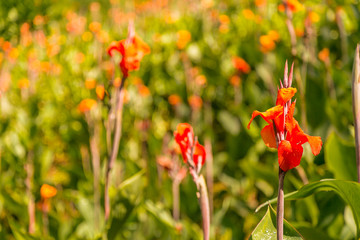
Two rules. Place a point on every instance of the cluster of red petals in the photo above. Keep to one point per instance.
(290, 148)
(191, 151)
(132, 50)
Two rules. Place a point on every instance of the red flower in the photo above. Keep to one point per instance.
(287, 135)
(193, 153)
(199, 156)
(184, 136)
(241, 65)
(132, 49)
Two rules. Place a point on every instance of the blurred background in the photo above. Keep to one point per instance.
(212, 63)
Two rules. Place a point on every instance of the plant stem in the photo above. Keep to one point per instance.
(204, 205)
(291, 29)
(356, 105)
(280, 206)
(176, 206)
(115, 146)
(28, 182)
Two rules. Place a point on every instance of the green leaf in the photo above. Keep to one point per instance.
(340, 158)
(347, 190)
(266, 229)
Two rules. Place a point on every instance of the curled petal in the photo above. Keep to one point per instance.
(269, 115)
(268, 136)
(289, 155)
(284, 95)
(315, 144)
(199, 155)
(112, 48)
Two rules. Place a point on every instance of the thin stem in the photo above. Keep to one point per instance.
(28, 182)
(291, 29)
(95, 153)
(176, 195)
(204, 205)
(280, 206)
(115, 147)
(203, 197)
(356, 105)
(209, 174)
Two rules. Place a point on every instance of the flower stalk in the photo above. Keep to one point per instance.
(116, 143)
(356, 105)
(280, 206)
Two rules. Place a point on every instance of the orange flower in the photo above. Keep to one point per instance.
(143, 90)
(293, 5)
(86, 105)
(132, 50)
(90, 83)
(195, 102)
(200, 80)
(324, 55)
(100, 92)
(224, 19)
(174, 99)
(95, 27)
(283, 131)
(267, 43)
(241, 65)
(183, 38)
(248, 14)
(235, 81)
(117, 82)
(260, 3)
(39, 20)
(314, 17)
(23, 83)
(47, 191)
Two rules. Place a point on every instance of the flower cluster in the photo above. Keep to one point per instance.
(283, 131)
(192, 151)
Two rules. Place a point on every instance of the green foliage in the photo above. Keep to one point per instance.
(266, 229)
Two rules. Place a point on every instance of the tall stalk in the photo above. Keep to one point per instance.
(280, 206)
(116, 143)
(356, 105)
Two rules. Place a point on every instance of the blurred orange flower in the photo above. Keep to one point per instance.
(260, 3)
(117, 82)
(200, 80)
(195, 102)
(248, 14)
(267, 42)
(90, 83)
(47, 191)
(86, 105)
(39, 20)
(235, 81)
(174, 99)
(324, 55)
(299, 32)
(183, 38)
(241, 65)
(143, 90)
(224, 19)
(95, 27)
(314, 17)
(100, 92)
(23, 83)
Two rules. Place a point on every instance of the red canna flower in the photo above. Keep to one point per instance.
(132, 49)
(283, 131)
(184, 136)
(193, 152)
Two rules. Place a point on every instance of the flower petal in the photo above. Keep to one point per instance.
(315, 144)
(268, 136)
(269, 115)
(289, 156)
(284, 95)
